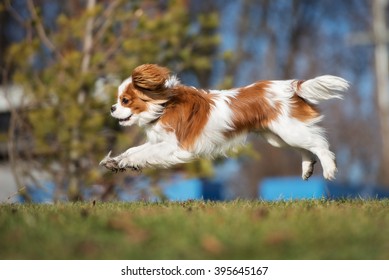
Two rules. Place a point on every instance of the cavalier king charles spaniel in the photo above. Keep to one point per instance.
(183, 123)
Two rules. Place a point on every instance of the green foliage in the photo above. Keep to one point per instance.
(308, 229)
(65, 117)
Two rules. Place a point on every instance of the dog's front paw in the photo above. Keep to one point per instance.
(111, 163)
(127, 163)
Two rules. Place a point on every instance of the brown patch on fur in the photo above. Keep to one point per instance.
(149, 82)
(251, 109)
(186, 114)
(302, 110)
(150, 77)
(136, 104)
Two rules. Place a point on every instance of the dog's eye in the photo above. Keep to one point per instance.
(125, 100)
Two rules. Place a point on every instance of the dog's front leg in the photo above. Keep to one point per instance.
(112, 163)
(124, 160)
(162, 154)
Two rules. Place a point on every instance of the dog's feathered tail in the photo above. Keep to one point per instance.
(321, 88)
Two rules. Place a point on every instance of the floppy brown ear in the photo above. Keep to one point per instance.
(150, 77)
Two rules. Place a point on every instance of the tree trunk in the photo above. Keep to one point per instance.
(381, 68)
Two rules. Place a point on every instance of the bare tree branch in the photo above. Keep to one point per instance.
(106, 19)
(40, 29)
(88, 39)
(19, 19)
(381, 57)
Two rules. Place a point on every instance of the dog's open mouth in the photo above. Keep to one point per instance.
(125, 119)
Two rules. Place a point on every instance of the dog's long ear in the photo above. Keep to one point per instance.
(150, 77)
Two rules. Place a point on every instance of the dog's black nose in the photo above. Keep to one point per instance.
(113, 108)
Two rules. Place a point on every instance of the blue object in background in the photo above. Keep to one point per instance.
(183, 189)
(338, 191)
(287, 188)
(291, 188)
(212, 189)
(41, 194)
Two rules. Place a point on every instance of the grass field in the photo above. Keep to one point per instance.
(310, 229)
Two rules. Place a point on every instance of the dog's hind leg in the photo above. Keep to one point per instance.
(308, 158)
(309, 137)
(308, 162)
(273, 139)
(327, 160)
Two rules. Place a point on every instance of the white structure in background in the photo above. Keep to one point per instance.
(9, 96)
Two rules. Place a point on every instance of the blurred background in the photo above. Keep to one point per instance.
(61, 62)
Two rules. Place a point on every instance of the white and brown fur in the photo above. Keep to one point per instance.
(183, 123)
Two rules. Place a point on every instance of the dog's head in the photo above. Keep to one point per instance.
(142, 95)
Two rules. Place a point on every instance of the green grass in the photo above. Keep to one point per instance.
(310, 229)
